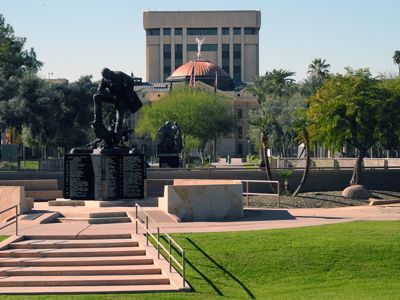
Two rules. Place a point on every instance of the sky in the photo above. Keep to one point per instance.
(80, 37)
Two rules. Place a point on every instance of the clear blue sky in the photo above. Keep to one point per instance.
(79, 37)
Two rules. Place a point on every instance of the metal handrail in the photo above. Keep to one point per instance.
(247, 194)
(148, 233)
(15, 216)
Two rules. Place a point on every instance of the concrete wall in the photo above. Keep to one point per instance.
(318, 180)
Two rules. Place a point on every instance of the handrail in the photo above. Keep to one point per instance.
(15, 216)
(171, 241)
(247, 194)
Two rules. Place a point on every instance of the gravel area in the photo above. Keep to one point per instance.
(316, 200)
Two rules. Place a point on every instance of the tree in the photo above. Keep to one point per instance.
(279, 82)
(355, 109)
(258, 88)
(201, 115)
(319, 68)
(14, 60)
(396, 59)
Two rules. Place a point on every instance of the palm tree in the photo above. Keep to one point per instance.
(263, 122)
(280, 82)
(258, 88)
(319, 68)
(396, 59)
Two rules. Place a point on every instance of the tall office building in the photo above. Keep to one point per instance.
(231, 41)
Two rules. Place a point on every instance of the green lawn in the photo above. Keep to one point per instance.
(30, 164)
(359, 260)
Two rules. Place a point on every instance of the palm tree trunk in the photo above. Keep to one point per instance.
(263, 140)
(308, 162)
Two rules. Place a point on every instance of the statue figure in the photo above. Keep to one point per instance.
(177, 137)
(199, 43)
(165, 138)
(117, 88)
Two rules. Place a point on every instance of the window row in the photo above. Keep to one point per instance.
(203, 31)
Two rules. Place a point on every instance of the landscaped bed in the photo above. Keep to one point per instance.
(316, 199)
(358, 260)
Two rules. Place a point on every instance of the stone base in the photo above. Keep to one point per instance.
(203, 200)
(169, 161)
(148, 202)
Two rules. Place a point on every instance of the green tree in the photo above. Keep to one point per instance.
(396, 59)
(355, 109)
(258, 88)
(279, 82)
(201, 115)
(14, 60)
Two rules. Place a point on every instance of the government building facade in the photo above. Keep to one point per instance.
(229, 50)
(231, 41)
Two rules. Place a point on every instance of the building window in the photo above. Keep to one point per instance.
(204, 47)
(153, 31)
(178, 31)
(239, 132)
(225, 57)
(240, 113)
(167, 60)
(202, 31)
(225, 30)
(178, 55)
(237, 62)
(237, 31)
(250, 31)
(166, 31)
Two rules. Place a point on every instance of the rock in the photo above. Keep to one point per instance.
(356, 192)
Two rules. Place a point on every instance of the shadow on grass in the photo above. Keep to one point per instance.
(222, 269)
(188, 262)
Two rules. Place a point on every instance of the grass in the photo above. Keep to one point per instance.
(358, 260)
(30, 164)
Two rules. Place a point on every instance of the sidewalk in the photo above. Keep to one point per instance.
(255, 219)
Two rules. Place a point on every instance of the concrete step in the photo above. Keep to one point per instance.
(89, 289)
(79, 237)
(65, 244)
(111, 214)
(73, 252)
(33, 185)
(75, 261)
(81, 270)
(44, 195)
(19, 281)
(106, 220)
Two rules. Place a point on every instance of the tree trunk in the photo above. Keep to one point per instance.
(263, 140)
(308, 162)
(357, 177)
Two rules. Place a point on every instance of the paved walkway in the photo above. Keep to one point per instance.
(255, 219)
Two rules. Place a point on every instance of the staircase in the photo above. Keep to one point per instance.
(95, 217)
(83, 264)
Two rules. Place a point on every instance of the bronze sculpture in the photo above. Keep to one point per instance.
(117, 88)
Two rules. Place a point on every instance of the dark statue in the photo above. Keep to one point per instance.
(169, 139)
(116, 88)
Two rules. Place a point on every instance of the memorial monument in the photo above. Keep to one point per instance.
(107, 168)
(169, 145)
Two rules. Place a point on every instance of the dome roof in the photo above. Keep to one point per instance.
(201, 68)
(204, 71)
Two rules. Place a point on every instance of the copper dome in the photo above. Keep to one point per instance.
(204, 71)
